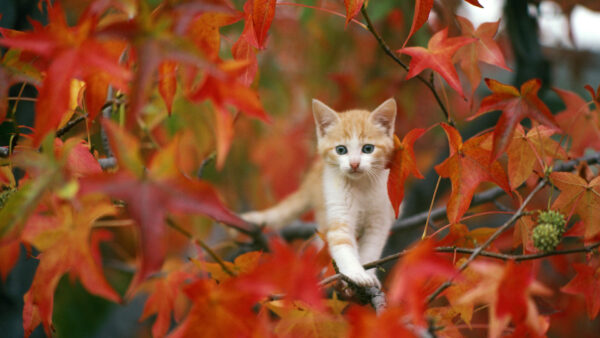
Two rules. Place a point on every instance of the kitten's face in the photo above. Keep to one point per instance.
(357, 142)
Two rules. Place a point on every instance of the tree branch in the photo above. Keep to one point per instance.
(493, 237)
(489, 254)
(486, 196)
(391, 54)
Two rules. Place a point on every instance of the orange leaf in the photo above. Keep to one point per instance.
(167, 82)
(243, 50)
(73, 250)
(403, 164)
(467, 167)
(586, 283)
(576, 194)
(484, 49)
(163, 298)
(525, 149)
(352, 8)
(263, 12)
(515, 106)
(508, 290)
(579, 122)
(438, 57)
(422, 9)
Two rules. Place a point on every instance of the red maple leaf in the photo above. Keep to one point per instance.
(263, 12)
(403, 164)
(298, 281)
(352, 8)
(419, 272)
(468, 166)
(579, 122)
(151, 196)
(438, 57)
(586, 283)
(484, 49)
(422, 9)
(225, 91)
(515, 106)
(579, 196)
(67, 53)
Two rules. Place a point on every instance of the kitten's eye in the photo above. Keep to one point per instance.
(368, 148)
(341, 150)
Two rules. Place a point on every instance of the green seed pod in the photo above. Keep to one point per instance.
(546, 237)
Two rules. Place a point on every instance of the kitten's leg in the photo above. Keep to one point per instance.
(344, 251)
(373, 239)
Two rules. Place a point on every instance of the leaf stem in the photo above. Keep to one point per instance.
(388, 51)
(323, 10)
(203, 245)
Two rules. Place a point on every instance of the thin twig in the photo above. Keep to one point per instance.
(489, 254)
(391, 54)
(203, 245)
(493, 237)
(60, 132)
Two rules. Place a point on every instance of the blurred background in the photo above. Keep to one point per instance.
(311, 54)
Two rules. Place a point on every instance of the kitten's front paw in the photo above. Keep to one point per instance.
(362, 278)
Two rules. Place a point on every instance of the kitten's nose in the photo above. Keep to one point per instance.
(354, 165)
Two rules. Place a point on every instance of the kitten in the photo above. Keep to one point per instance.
(347, 187)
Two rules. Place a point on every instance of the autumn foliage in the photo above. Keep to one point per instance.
(156, 122)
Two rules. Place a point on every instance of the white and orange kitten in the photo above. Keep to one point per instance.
(347, 187)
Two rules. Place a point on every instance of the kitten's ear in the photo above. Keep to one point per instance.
(325, 117)
(385, 115)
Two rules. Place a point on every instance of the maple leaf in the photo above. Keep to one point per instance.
(204, 31)
(515, 106)
(298, 281)
(150, 196)
(586, 283)
(301, 320)
(415, 276)
(242, 50)
(167, 83)
(467, 166)
(484, 49)
(164, 298)
(228, 91)
(422, 9)
(402, 164)
(508, 290)
(579, 122)
(352, 8)
(438, 57)
(220, 310)
(263, 12)
(70, 52)
(580, 196)
(525, 149)
(65, 240)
